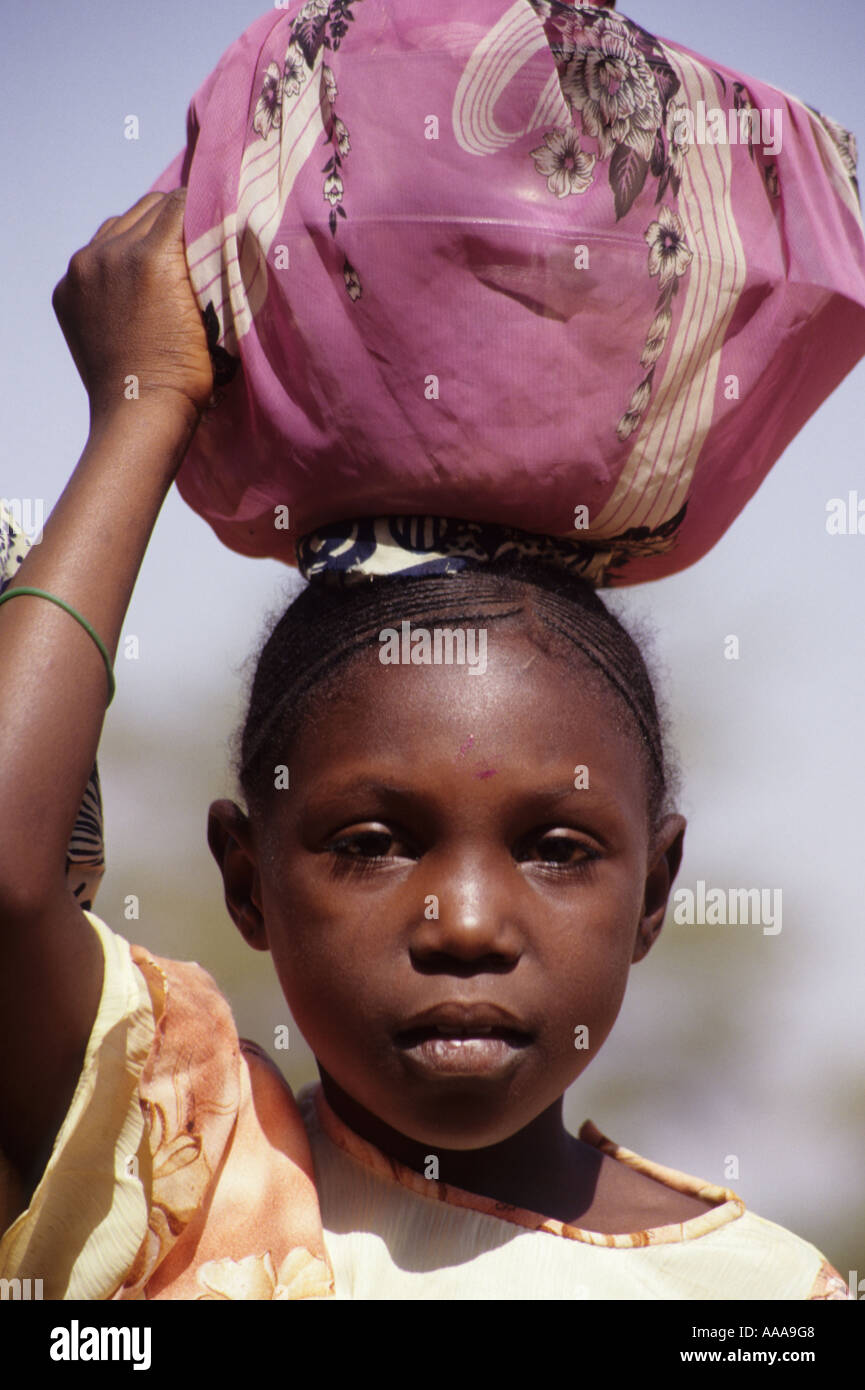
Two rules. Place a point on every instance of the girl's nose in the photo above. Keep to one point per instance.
(469, 914)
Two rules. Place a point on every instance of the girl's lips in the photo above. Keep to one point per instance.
(459, 1019)
(438, 1052)
(412, 1037)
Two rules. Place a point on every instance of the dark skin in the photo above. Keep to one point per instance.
(431, 781)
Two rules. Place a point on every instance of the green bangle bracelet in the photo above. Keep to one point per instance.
(67, 607)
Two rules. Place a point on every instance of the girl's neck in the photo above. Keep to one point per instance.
(542, 1168)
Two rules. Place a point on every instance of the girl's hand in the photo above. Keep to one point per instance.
(127, 308)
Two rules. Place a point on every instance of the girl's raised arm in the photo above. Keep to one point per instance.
(130, 319)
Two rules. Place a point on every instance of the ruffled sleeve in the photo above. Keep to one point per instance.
(182, 1169)
(88, 1216)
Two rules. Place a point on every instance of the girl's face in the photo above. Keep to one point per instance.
(451, 918)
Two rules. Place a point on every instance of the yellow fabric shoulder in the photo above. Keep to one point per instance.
(182, 1169)
(88, 1215)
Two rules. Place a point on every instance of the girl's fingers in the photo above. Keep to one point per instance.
(103, 228)
(127, 296)
(144, 212)
(133, 224)
(162, 221)
(159, 222)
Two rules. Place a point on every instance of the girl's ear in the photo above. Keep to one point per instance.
(229, 834)
(664, 864)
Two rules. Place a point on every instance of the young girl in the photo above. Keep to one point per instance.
(454, 864)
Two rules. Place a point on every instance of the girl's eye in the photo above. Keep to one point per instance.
(365, 845)
(559, 849)
(374, 845)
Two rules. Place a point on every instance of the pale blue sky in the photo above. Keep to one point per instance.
(772, 745)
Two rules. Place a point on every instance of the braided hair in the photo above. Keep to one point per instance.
(325, 627)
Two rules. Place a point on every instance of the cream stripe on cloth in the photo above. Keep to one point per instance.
(656, 479)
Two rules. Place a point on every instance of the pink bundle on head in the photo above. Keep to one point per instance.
(518, 262)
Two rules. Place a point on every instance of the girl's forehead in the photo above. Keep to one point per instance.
(423, 691)
(461, 750)
(480, 755)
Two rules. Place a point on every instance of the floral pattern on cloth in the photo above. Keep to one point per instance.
(300, 1275)
(845, 143)
(233, 1211)
(623, 91)
(85, 853)
(320, 24)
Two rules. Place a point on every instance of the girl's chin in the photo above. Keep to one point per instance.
(443, 1095)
